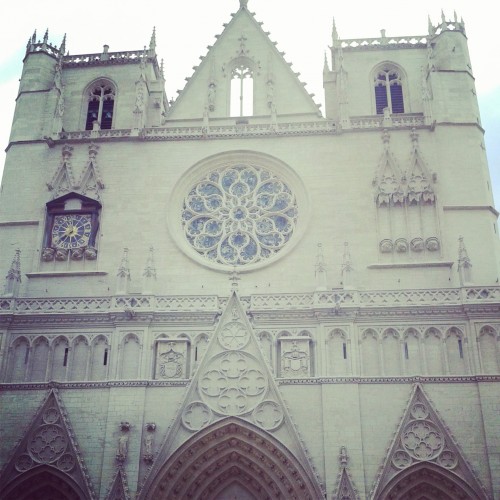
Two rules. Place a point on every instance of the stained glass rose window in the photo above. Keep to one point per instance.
(239, 214)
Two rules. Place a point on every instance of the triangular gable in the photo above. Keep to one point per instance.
(48, 444)
(63, 180)
(91, 181)
(422, 438)
(345, 489)
(119, 487)
(233, 380)
(388, 180)
(277, 89)
(418, 177)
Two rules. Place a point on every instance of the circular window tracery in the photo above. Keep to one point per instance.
(239, 214)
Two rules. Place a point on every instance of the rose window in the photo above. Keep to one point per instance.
(239, 215)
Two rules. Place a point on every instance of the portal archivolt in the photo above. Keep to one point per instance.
(232, 454)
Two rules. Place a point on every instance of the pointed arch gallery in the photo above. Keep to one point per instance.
(229, 453)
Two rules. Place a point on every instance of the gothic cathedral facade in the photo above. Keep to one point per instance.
(305, 306)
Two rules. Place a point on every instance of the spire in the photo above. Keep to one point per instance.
(335, 35)
(430, 27)
(320, 270)
(464, 263)
(46, 36)
(13, 277)
(123, 275)
(62, 48)
(326, 68)
(33, 38)
(149, 273)
(346, 268)
(152, 42)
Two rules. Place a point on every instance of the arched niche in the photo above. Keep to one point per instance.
(231, 450)
(427, 481)
(337, 352)
(488, 349)
(130, 356)
(391, 349)
(19, 359)
(370, 353)
(40, 359)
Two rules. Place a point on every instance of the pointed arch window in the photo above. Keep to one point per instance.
(389, 90)
(101, 101)
(241, 91)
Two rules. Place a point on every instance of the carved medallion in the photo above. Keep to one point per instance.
(422, 440)
(196, 415)
(47, 444)
(24, 463)
(233, 383)
(234, 336)
(268, 415)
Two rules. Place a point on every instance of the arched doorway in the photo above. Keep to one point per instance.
(43, 483)
(232, 459)
(426, 481)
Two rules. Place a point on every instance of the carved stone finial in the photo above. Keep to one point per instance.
(13, 276)
(343, 457)
(243, 4)
(62, 48)
(33, 38)
(149, 273)
(234, 278)
(320, 270)
(46, 36)
(152, 42)
(346, 268)
(464, 263)
(123, 274)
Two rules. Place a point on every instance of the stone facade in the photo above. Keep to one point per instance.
(229, 295)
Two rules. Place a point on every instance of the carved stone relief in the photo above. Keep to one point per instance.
(171, 359)
(233, 383)
(196, 415)
(268, 415)
(295, 357)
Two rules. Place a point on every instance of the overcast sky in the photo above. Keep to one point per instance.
(302, 30)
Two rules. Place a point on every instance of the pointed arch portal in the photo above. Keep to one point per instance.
(232, 457)
(44, 482)
(426, 481)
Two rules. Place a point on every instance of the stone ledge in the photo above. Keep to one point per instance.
(409, 265)
(55, 274)
(19, 223)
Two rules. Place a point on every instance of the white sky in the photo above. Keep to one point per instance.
(302, 30)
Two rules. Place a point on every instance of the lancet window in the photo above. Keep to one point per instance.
(241, 91)
(101, 101)
(389, 90)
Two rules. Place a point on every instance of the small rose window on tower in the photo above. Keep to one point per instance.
(389, 90)
(241, 103)
(101, 101)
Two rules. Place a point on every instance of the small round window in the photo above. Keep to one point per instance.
(239, 214)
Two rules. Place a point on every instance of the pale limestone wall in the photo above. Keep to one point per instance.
(363, 417)
(337, 177)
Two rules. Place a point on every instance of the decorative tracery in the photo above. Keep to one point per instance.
(239, 214)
